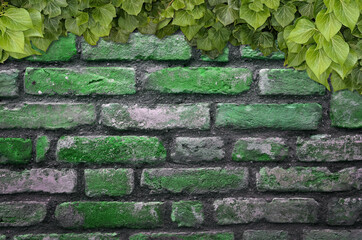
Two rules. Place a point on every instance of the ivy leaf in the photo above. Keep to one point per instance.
(198, 12)
(104, 14)
(263, 40)
(72, 26)
(296, 59)
(336, 49)
(285, 14)
(41, 43)
(12, 41)
(82, 18)
(219, 37)
(346, 12)
(132, 7)
(255, 19)
(178, 4)
(53, 7)
(90, 37)
(322, 79)
(17, 19)
(183, 18)
(347, 66)
(216, 2)
(317, 60)
(307, 10)
(256, 5)
(190, 31)
(243, 34)
(337, 82)
(118, 35)
(128, 22)
(303, 30)
(100, 30)
(37, 21)
(327, 24)
(205, 43)
(273, 4)
(226, 14)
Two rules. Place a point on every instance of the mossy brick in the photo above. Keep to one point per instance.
(38, 180)
(132, 150)
(42, 147)
(195, 180)
(260, 149)
(206, 80)
(159, 117)
(46, 115)
(63, 50)
(187, 213)
(2, 237)
(287, 82)
(249, 53)
(279, 210)
(108, 182)
(8, 85)
(195, 150)
(70, 236)
(296, 116)
(344, 211)
(329, 234)
(90, 215)
(21, 214)
(346, 109)
(80, 81)
(184, 236)
(326, 148)
(224, 57)
(265, 235)
(306, 179)
(143, 47)
(15, 150)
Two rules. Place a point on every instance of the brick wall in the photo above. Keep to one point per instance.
(152, 140)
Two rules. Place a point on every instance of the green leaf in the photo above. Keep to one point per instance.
(216, 2)
(243, 34)
(41, 43)
(198, 11)
(348, 65)
(183, 18)
(285, 14)
(128, 22)
(327, 24)
(82, 18)
(303, 30)
(205, 44)
(17, 19)
(263, 40)
(317, 60)
(178, 4)
(90, 37)
(118, 35)
(100, 30)
(337, 82)
(346, 12)
(219, 38)
(191, 31)
(226, 14)
(256, 5)
(296, 59)
(53, 8)
(322, 79)
(12, 41)
(255, 19)
(307, 10)
(132, 7)
(72, 26)
(104, 14)
(336, 49)
(273, 4)
(38, 26)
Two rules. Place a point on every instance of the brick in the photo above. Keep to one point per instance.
(206, 80)
(8, 85)
(248, 52)
(325, 148)
(46, 115)
(344, 211)
(265, 235)
(259, 149)
(38, 180)
(187, 213)
(2, 237)
(184, 236)
(109, 214)
(133, 150)
(328, 234)
(15, 150)
(70, 236)
(144, 47)
(279, 210)
(224, 57)
(162, 116)
(305, 179)
(63, 50)
(346, 109)
(297, 116)
(195, 180)
(195, 150)
(42, 147)
(80, 81)
(108, 181)
(287, 82)
(20, 214)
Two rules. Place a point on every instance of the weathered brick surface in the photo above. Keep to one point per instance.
(328, 234)
(195, 180)
(20, 214)
(265, 235)
(287, 82)
(344, 211)
(111, 149)
(207, 80)
(184, 236)
(70, 236)
(195, 150)
(163, 116)
(8, 85)
(15, 150)
(80, 81)
(248, 52)
(38, 180)
(259, 149)
(187, 213)
(46, 115)
(42, 147)
(326, 148)
(139, 47)
(2, 237)
(297, 116)
(109, 214)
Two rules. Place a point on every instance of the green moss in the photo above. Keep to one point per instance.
(69, 236)
(8, 86)
(183, 236)
(42, 147)
(15, 150)
(224, 57)
(248, 52)
(187, 213)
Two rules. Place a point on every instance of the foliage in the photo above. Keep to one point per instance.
(322, 37)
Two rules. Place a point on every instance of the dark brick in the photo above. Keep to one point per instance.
(20, 214)
(8, 86)
(344, 211)
(15, 150)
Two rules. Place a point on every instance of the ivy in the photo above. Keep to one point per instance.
(322, 37)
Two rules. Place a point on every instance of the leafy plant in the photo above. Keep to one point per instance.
(322, 37)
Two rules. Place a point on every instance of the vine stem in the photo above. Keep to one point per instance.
(169, 4)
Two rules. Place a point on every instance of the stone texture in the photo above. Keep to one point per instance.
(224, 57)
(259, 149)
(248, 52)
(20, 214)
(144, 47)
(325, 148)
(90, 215)
(328, 234)
(344, 211)
(265, 235)
(184, 236)
(80, 81)
(195, 180)
(70, 236)
(297, 116)
(346, 109)
(8, 86)
(287, 82)
(46, 115)
(306, 179)
(279, 210)
(42, 147)
(195, 150)
(111, 149)
(38, 180)
(15, 150)
(187, 213)
(162, 116)
(206, 80)
(108, 182)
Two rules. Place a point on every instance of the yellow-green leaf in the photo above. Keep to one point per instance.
(317, 60)
(327, 24)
